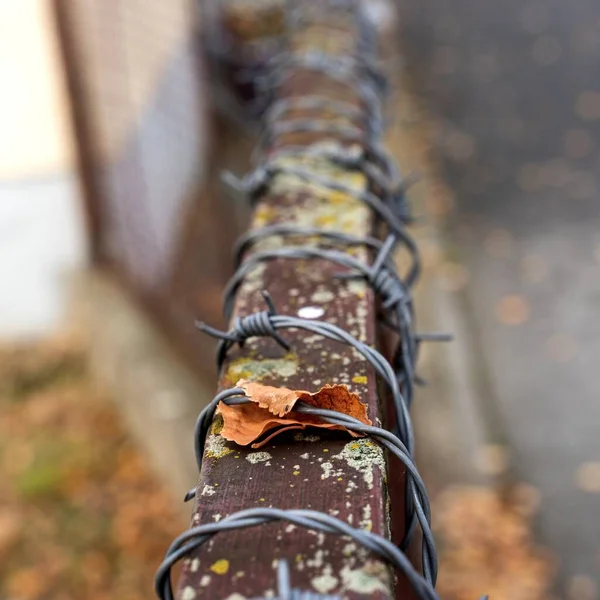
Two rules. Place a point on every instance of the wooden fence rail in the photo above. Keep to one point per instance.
(317, 469)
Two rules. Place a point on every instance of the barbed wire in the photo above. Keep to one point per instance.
(196, 536)
(266, 324)
(285, 590)
(385, 196)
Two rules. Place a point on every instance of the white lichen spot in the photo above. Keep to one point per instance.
(333, 512)
(350, 487)
(236, 596)
(208, 490)
(311, 312)
(216, 447)
(289, 528)
(195, 565)
(313, 339)
(322, 296)
(364, 456)
(205, 581)
(267, 367)
(330, 471)
(188, 593)
(305, 456)
(370, 578)
(217, 517)
(258, 457)
(317, 382)
(317, 560)
(356, 287)
(366, 522)
(254, 279)
(326, 582)
(310, 369)
(349, 549)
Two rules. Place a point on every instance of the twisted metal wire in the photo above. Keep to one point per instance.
(315, 102)
(236, 396)
(391, 213)
(285, 590)
(266, 322)
(360, 72)
(386, 198)
(367, 157)
(196, 536)
(381, 276)
(252, 237)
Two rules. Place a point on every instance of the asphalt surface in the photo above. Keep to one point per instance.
(515, 92)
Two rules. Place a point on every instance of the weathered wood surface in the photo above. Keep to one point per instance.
(327, 472)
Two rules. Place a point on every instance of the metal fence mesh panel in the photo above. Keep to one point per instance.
(138, 93)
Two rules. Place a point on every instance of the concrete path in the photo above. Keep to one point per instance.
(514, 88)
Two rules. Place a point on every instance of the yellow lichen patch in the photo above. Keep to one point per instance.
(264, 214)
(325, 221)
(217, 425)
(220, 567)
(360, 379)
(216, 447)
(338, 198)
(256, 370)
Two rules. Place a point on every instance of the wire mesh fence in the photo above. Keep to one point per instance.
(148, 145)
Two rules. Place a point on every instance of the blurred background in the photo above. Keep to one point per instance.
(116, 118)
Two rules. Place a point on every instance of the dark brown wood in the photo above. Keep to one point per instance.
(174, 268)
(81, 125)
(332, 473)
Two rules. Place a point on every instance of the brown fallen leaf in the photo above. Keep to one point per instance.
(277, 400)
(271, 410)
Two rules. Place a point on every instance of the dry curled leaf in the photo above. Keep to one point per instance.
(271, 410)
(276, 400)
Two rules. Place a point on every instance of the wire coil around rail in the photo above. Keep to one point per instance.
(385, 196)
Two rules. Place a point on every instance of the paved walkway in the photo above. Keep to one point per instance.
(516, 91)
